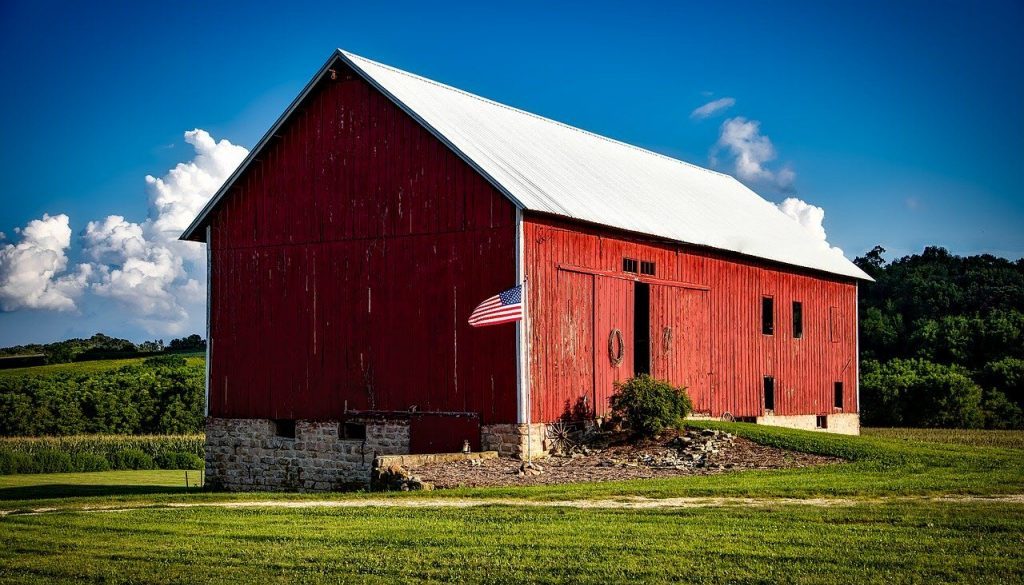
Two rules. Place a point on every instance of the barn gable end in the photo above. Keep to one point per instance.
(345, 261)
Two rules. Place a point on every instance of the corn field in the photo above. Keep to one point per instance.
(106, 446)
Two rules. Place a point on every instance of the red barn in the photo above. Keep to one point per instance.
(349, 249)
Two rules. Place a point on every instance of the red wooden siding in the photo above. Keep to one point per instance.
(346, 261)
(705, 325)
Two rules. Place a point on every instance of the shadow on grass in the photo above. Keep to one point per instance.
(59, 490)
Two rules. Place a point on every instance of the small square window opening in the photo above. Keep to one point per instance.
(821, 422)
(647, 268)
(351, 430)
(629, 265)
(284, 428)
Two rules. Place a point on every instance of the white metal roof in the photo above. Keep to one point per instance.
(550, 167)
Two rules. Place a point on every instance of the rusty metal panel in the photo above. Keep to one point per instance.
(712, 304)
(345, 264)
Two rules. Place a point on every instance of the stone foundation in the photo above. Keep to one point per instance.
(249, 455)
(515, 440)
(847, 423)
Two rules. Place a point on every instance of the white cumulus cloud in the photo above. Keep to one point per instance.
(176, 198)
(144, 266)
(713, 107)
(810, 217)
(750, 152)
(32, 272)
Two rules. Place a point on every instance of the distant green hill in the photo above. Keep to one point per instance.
(99, 347)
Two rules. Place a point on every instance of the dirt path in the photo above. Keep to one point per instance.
(631, 503)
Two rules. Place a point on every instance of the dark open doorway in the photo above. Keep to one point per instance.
(641, 329)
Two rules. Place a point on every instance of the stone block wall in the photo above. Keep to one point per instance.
(515, 440)
(248, 454)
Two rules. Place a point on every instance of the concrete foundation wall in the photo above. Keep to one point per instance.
(841, 423)
(248, 455)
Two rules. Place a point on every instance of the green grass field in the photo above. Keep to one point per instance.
(973, 437)
(922, 535)
(88, 366)
(869, 543)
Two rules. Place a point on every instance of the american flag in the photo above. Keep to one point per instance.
(503, 307)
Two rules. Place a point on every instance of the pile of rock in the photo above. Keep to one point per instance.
(397, 478)
(691, 449)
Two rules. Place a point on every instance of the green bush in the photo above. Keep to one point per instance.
(90, 449)
(15, 462)
(52, 461)
(23, 463)
(179, 460)
(132, 459)
(919, 393)
(649, 406)
(83, 461)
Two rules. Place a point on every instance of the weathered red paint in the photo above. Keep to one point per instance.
(345, 263)
(705, 325)
(347, 258)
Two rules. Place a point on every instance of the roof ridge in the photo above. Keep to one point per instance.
(537, 116)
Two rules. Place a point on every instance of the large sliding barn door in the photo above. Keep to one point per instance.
(680, 340)
(613, 338)
(570, 356)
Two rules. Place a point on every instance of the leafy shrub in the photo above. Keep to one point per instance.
(83, 461)
(132, 459)
(15, 462)
(999, 412)
(105, 447)
(179, 460)
(650, 406)
(1007, 376)
(52, 461)
(919, 393)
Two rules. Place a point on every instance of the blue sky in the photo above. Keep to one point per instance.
(904, 121)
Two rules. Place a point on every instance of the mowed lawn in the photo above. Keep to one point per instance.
(867, 543)
(895, 513)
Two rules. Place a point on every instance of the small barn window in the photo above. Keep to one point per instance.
(629, 265)
(768, 315)
(798, 319)
(821, 422)
(769, 393)
(838, 391)
(284, 428)
(647, 268)
(352, 431)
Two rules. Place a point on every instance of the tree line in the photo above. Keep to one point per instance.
(100, 346)
(942, 340)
